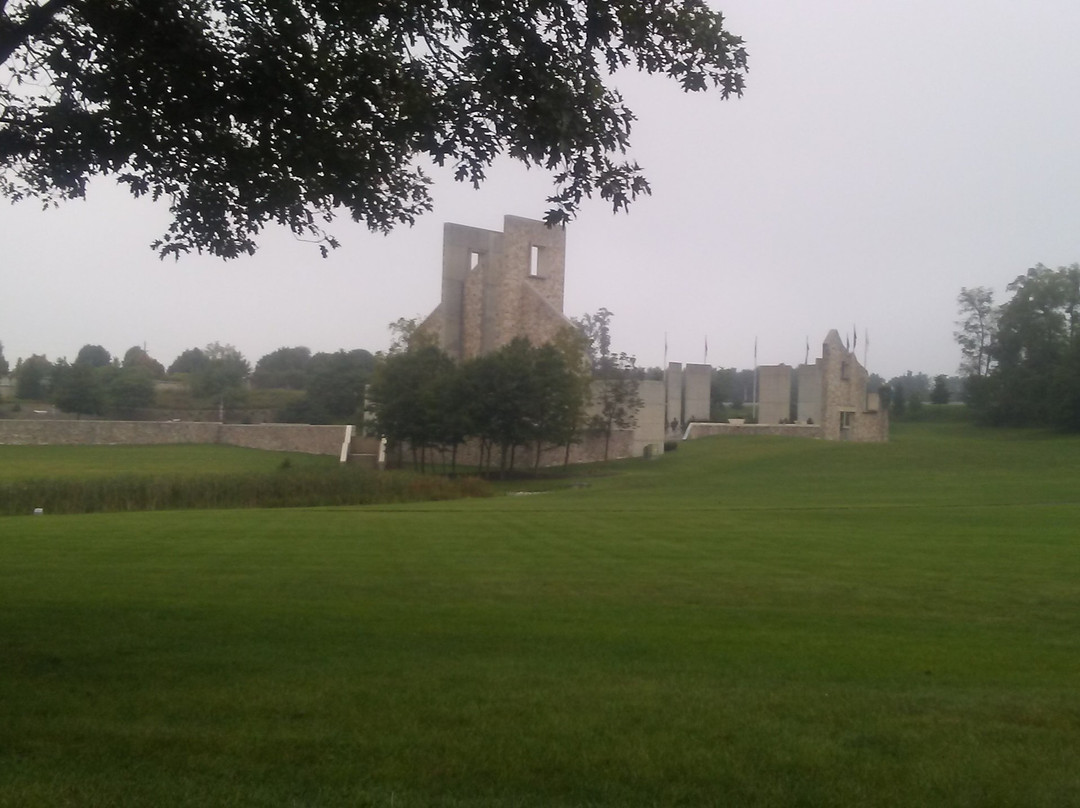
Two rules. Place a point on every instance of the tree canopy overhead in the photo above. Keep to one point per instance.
(239, 113)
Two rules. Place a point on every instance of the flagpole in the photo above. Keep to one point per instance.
(754, 408)
(665, 385)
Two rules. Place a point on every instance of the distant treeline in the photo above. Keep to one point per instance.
(1022, 358)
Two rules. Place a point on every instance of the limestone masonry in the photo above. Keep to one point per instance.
(832, 394)
(498, 286)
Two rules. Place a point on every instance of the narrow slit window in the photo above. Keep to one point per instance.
(534, 261)
(474, 260)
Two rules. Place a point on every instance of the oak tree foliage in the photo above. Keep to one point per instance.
(1031, 368)
(223, 374)
(617, 400)
(976, 329)
(519, 396)
(190, 361)
(32, 378)
(240, 113)
(94, 356)
(137, 358)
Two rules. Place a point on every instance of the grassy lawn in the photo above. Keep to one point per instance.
(743, 622)
(30, 462)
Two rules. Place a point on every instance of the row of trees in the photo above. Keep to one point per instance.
(518, 397)
(1022, 358)
(905, 395)
(333, 383)
(94, 384)
(97, 383)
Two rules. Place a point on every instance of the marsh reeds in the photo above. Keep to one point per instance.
(283, 488)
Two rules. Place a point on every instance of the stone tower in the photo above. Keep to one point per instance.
(499, 285)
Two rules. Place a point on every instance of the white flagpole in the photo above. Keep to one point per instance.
(665, 385)
(755, 381)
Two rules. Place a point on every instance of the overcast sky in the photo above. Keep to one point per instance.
(885, 155)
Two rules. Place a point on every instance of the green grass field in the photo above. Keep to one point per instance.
(102, 479)
(742, 622)
(85, 462)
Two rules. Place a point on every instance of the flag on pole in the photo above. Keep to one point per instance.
(854, 337)
(706, 359)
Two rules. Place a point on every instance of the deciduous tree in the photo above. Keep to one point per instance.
(596, 331)
(616, 399)
(136, 357)
(405, 391)
(129, 388)
(940, 392)
(32, 378)
(285, 368)
(190, 361)
(240, 113)
(977, 326)
(1036, 350)
(93, 356)
(223, 374)
(336, 382)
(78, 388)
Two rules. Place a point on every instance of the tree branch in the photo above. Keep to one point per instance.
(14, 35)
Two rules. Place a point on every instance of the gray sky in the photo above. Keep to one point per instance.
(884, 155)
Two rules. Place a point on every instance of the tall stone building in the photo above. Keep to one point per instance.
(837, 395)
(774, 394)
(499, 285)
(833, 395)
(687, 393)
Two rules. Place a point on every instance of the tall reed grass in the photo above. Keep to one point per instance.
(284, 488)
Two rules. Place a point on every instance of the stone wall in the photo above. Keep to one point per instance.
(810, 400)
(774, 394)
(490, 293)
(590, 450)
(303, 438)
(845, 402)
(651, 429)
(697, 392)
(698, 430)
(674, 393)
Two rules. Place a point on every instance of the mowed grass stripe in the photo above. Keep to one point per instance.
(82, 462)
(531, 651)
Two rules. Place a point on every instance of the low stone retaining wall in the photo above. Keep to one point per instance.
(589, 450)
(322, 440)
(703, 430)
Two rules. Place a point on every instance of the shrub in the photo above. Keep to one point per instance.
(284, 488)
